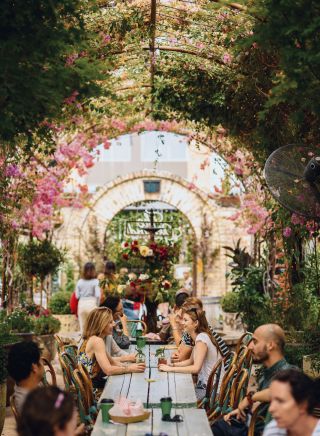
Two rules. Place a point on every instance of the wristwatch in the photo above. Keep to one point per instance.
(249, 398)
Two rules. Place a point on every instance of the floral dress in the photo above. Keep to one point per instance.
(93, 368)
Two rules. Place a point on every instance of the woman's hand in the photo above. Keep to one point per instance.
(165, 368)
(130, 357)
(137, 367)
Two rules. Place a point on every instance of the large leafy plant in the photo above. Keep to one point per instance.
(40, 258)
(46, 325)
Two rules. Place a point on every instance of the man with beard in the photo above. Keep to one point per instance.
(267, 348)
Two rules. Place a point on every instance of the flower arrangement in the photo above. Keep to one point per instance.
(149, 267)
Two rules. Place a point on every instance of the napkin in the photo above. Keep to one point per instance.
(124, 407)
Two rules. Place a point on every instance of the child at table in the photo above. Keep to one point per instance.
(92, 350)
(204, 354)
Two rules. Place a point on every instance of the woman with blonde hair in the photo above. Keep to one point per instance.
(92, 349)
(87, 292)
(205, 352)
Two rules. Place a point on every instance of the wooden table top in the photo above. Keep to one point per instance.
(152, 385)
(149, 387)
(195, 423)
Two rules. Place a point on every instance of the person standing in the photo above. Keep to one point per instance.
(88, 293)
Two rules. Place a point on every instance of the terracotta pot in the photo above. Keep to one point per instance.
(162, 360)
(3, 391)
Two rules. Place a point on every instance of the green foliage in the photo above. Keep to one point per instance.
(71, 284)
(230, 302)
(20, 321)
(59, 303)
(40, 258)
(36, 38)
(254, 304)
(305, 343)
(46, 325)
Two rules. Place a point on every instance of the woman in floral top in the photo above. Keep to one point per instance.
(92, 350)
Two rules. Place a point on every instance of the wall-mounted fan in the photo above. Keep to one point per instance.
(292, 174)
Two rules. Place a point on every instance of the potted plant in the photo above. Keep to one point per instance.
(230, 306)
(60, 308)
(45, 327)
(140, 356)
(161, 356)
(21, 324)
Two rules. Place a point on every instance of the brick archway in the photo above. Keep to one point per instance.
(210, 226)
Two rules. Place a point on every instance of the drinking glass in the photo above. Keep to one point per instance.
(166, 406)
(105, 405)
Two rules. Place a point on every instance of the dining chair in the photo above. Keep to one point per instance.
(13, 408)
(239, 388)
(256, 417)
(48, 371)
(133, 325)
(245, 339)
(68, 365)
(212, 387)
(82, 398)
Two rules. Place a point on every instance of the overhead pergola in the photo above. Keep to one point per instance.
(155, 48)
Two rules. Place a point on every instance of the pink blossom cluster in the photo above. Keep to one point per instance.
(253, 215)
(46, 182)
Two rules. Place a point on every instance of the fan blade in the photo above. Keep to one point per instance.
(285, 171)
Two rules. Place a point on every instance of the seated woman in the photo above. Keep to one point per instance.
(172, 327)
(92, 349)
(49, 411)
(120, 332)
(294, 396)
(205, 353)
(186, 343)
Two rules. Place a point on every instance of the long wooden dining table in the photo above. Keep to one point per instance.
(150, 387)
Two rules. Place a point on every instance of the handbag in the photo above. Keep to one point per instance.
(74, 303)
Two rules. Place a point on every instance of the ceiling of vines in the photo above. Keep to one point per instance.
(157, 52)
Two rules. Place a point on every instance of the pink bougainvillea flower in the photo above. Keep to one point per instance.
(227, 58)
(287, 231)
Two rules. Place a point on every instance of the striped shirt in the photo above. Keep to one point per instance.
(273, 430)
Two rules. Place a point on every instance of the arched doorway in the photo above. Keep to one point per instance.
(211, 225)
